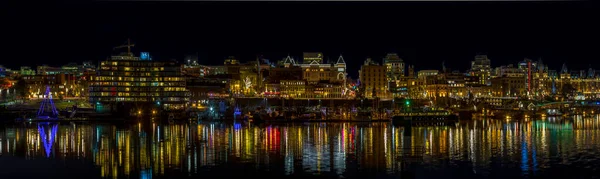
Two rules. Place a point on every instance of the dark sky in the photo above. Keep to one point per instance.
(422, 33)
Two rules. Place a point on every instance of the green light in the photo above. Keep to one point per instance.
(407, 102)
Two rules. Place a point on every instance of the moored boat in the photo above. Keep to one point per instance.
(424, 117)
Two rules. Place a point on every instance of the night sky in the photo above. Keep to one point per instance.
(423, 34)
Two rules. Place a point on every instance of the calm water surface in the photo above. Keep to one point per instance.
(479, 148)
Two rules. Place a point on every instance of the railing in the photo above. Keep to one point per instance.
(444, 113)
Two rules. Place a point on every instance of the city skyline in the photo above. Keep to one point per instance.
(557, 33)
(272, 89)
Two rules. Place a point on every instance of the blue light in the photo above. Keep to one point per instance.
(158, 102)
(145, 56)
(97, 103)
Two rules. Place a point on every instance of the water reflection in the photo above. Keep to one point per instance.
(478, 147)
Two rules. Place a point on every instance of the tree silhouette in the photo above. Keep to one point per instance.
(21, 88)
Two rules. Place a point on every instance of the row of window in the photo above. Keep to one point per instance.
(139, 74)
(137, 89)
(120, 78)
(136, 63)
(134, 94)
(139, 99)
(133, 84)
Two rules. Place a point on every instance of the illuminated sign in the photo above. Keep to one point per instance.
(145, 56)
(340, 69)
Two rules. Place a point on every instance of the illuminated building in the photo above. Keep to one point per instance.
(508, 86)
(312, 57)
(317, 80)
(48, 70)
(2, 71)
(72, 68)
(287, 62)
(394, 66)
(231, 61)
(192, 71)
(564, 72)
(277, 75)
(207, 88)
(401, 86)
(293, 88)
(316, 72)
(25, 70)
(373, 80)
(394, 71)
(436, 86)
(325, 90)
(127, 78)
(424, 73)
(213, 70)
(529, 68)
(480, 67)
(61, 85)
(508, 71)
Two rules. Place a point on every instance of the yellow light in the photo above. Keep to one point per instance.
(153, 112)
(139, 112)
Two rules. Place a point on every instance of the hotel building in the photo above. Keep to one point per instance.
(130, 79)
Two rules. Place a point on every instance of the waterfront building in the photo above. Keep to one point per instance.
(293, 89)
(129, 79)
(316, 72)
(61, 85)
(202, 89)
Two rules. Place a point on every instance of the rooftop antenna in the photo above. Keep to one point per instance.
(129, 45)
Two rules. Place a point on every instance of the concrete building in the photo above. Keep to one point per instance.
(128, 79)
(508, 87)
(61, 85)
(394, 66)
(293, 88)
(48, 70)
(373, 80)
(422, 74)
(481, 68)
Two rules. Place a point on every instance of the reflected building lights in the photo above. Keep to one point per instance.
(149, 150)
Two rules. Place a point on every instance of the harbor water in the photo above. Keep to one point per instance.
(551, 147)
